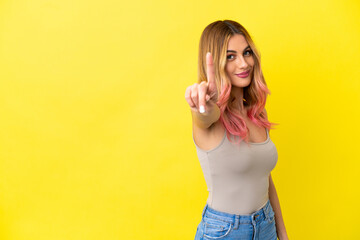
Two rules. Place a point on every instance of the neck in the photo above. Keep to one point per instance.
(237, 102)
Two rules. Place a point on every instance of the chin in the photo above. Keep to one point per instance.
(242, 84)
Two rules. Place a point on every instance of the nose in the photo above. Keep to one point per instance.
(241, 62)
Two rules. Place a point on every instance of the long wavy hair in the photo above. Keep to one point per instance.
(215, 39)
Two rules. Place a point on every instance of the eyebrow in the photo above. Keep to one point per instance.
(235, 51)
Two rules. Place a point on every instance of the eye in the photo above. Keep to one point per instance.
(230, 57)
(249, 52)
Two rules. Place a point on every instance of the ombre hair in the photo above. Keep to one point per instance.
(215, 39)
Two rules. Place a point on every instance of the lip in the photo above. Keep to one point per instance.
(243, 74)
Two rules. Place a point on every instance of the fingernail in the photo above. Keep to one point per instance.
(202, 109)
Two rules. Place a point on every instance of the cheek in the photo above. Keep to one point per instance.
(252, 62)
(228, 69)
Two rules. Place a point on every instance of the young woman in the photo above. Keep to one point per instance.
(231, 135)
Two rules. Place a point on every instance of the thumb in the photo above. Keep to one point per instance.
(207, 98)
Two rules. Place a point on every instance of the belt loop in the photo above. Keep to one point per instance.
(237, 222)
(267, 210)
(204, 210)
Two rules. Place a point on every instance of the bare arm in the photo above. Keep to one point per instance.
(202, 97)
(274, 200)
(205, 120)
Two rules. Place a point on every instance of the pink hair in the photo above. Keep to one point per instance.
(233, 122)
(214, 39)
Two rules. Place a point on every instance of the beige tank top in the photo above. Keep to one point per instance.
(237, 175)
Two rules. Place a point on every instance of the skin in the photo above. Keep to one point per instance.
(275, 203)
(208, 131)
(239, 59)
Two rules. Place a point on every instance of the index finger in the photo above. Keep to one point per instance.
(210, 68)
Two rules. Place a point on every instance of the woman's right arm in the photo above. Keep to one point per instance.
(205, 120)
(202, 97)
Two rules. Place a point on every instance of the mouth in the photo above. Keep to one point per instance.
(243, 74)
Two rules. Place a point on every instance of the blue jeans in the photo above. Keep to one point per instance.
(220, 225)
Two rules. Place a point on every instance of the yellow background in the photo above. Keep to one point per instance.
(95, 132)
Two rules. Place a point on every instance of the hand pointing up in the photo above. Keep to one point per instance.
(200, 97)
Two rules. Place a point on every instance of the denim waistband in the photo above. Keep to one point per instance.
(257, 216)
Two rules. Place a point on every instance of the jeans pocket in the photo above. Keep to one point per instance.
(216, 228)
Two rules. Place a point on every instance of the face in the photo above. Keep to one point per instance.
(239, 61)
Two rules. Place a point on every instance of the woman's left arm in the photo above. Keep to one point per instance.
(274, 201)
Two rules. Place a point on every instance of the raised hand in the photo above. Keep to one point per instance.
(200, 97)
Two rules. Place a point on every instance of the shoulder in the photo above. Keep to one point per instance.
(265, 114)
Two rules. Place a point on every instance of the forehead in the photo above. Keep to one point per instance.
(237, 42)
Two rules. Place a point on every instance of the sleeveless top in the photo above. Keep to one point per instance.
(237, 175)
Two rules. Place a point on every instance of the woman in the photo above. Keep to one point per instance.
(231, 135)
